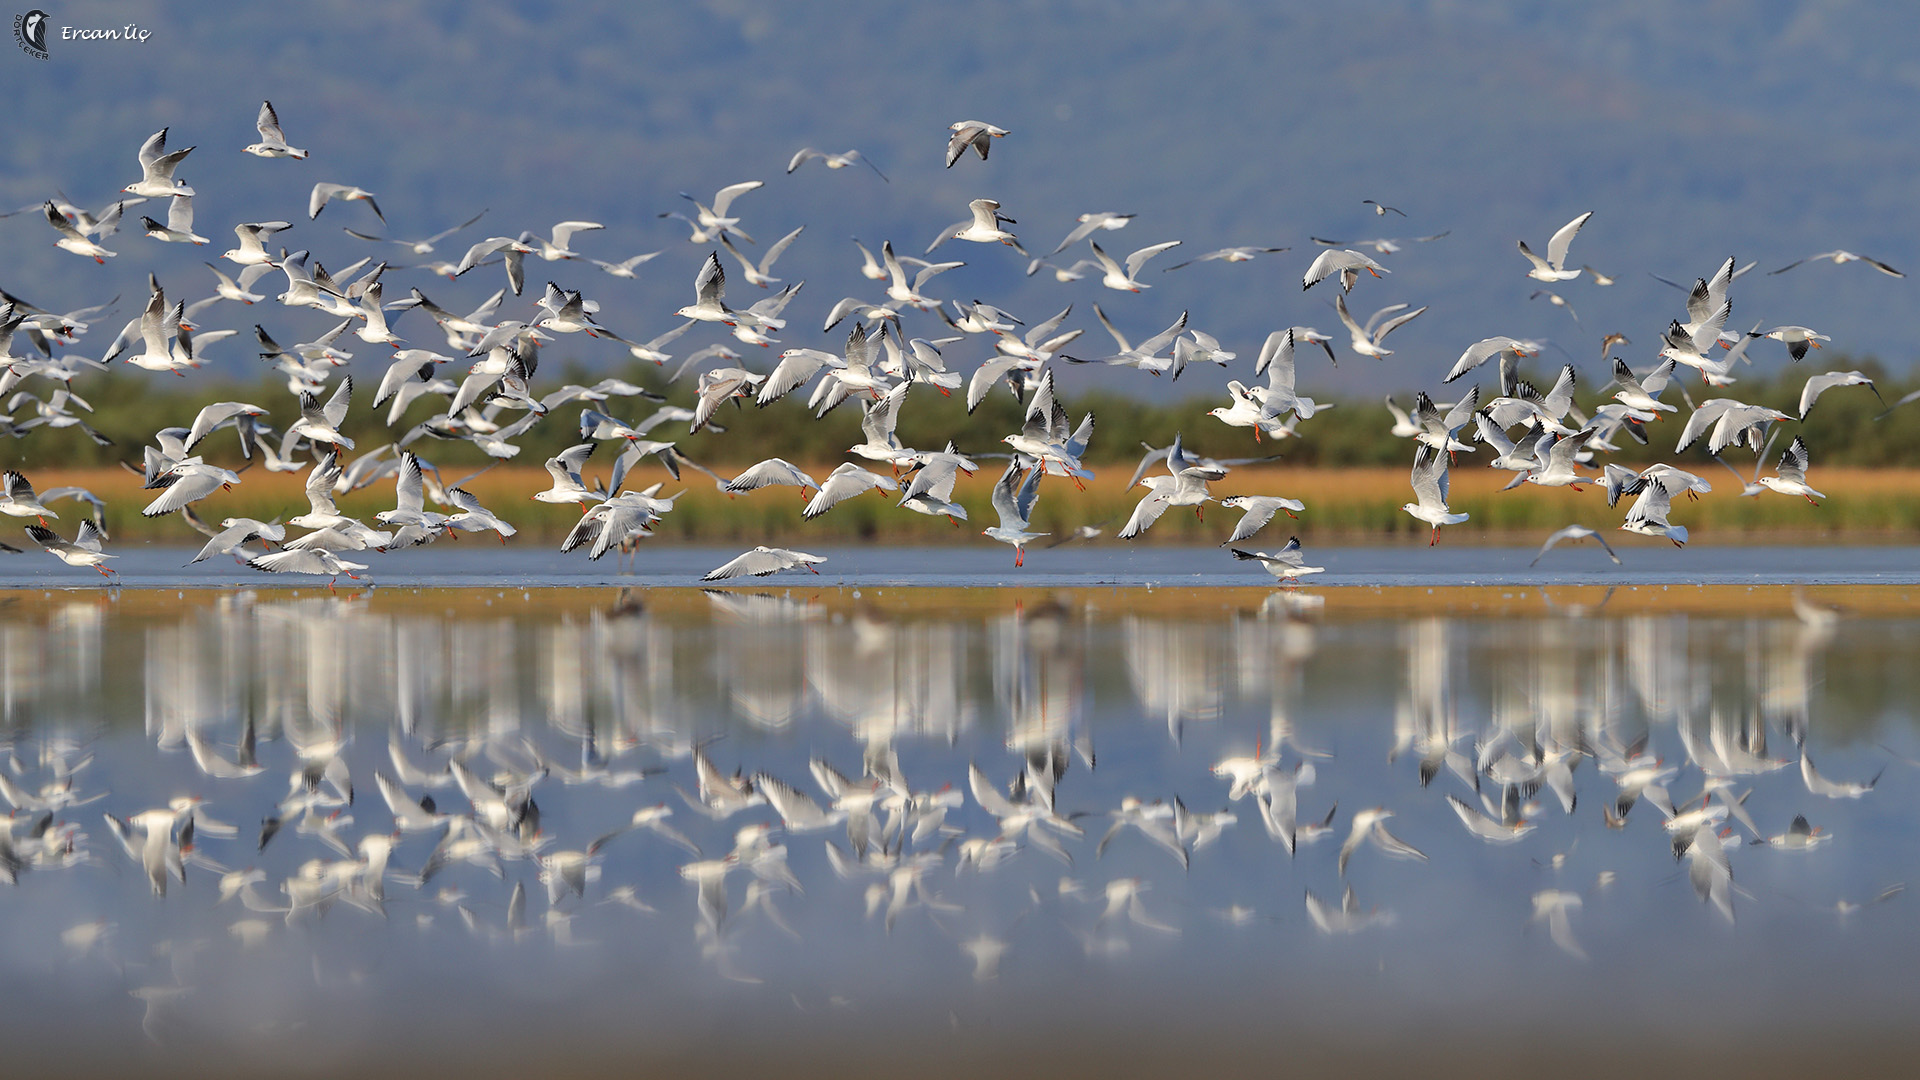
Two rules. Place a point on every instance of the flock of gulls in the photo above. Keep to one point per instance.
(319, 762)
(1542, 438)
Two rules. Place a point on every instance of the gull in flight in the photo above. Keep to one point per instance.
(82, 550)
(253, 243)
(1574, 532)
(1797, 339)
(761, 273)
(1345, 263)
(982, 228)
(1553, 267)
(1287, 564)
(1185, 484)
(1013, 500)
(709, 289)
(422, 246)
(179, 226)
(1726, 421)
(1366, 340)
(1790, 476)
(711, 223)
(1835, 257)
(762, 561)
(156, 169)
(833, 161)
(974, 133)
(317, 561)
(1430, 495)
(1816, 784)
(1371, 825)
(1381, 245)
(272, 143)
(1127, 280)
(1381, 209)
(323, 193)
(1089, 224)
(71, 238)
(556, 249)
(1820, 384)
(18, 500)
(1648, 515)
(1229, 254)
(1260, 509)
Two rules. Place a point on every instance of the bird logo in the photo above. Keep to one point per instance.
(31, 31)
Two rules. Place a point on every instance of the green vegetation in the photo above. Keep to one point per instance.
(1351, 474)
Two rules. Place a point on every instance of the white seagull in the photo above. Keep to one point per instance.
(1128, 280)
(272, 142)
(156, 169)
(974, 133)
(1287, 564)
(762, 561)
(1013, 500)
(1430, 492)
(83, 550)
(1553, 267)
(833, 161)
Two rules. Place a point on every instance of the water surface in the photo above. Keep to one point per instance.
(1163, 950)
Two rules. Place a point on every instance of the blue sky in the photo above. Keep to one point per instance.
(1768, 132)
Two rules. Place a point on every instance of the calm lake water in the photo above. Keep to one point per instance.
(817, 828)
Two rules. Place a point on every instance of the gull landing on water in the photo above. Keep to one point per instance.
(762, 561)
(83, 550)
(1287, 564)
(1430, 493)
(1013, 499)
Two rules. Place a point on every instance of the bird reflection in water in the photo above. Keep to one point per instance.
(868, 783)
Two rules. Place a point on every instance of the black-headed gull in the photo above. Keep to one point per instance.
(1553, 267)
(156, 169)
(761, 273)
(1229, 254)
(764, 560)
(1820, 384)
(1288, 564)
(273, 143)
(1648, 515)
(323, 193)
(1089, 224)
(975, 133)
(1259, 510)
(833, 161)
(1430, 494)
(83, 550)
(1347, 264)
(710, 290)
(1366, 340)
(711, 222)
(71, 238)
(1127, 280)
(1790, 476)
(1013, 500)
(1835, 257)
